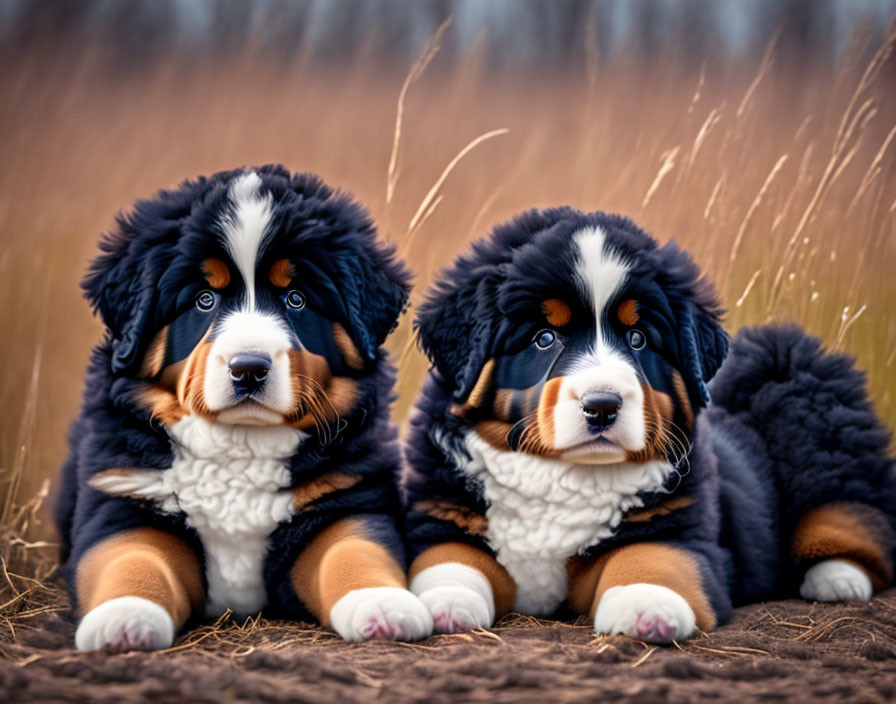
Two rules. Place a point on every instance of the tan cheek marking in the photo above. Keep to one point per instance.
(347, 347)
(282, 273)
(306, 367)
(657, 412)
(144, 562)
(663, 509)
(310, 492)
(548, 402)
(479, 393)
(317, 396)
(190, 387)
(339, 560)
(556, 312)
(503, 586)
(343, 394)
(684, 403)
(494, 432)
(628, 312)
(654, 563)
(162, 404)
(216, 273)
(463, 517)
(155, 355)
(845, 530)
(503, 403)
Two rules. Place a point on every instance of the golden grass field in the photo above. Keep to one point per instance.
(780, 180)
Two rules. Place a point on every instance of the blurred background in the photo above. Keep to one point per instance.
(758, 133)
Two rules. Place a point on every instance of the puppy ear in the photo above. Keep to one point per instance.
(703, 346)
(120, 288)
(376, 287)
(454, 325)
(372, 283)
(702, 342)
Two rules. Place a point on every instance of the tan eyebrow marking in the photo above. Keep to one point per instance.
(216, 273)
(628, 312)
(556, 312)
(282, 273)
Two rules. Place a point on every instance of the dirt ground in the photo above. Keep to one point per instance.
(783, 651)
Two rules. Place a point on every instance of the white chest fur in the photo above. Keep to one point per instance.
(229, 482)
(543, 511)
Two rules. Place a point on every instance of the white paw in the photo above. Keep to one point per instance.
(458, 597)
(647, 612)
(836, 580)
(382, 613)
(125, 623)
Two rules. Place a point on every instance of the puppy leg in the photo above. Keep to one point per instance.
(845, 549)
(351, 582)
(462, 586)
(135, 590)
(649, 591)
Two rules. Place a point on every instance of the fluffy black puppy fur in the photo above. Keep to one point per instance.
(786, 468)
(250, 256)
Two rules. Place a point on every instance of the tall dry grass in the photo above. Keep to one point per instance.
(779, 180)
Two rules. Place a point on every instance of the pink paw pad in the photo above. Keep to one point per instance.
(129, 639)
(446, 623)
(377, 629)
(655, 628)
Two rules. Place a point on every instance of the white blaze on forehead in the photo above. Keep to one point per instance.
(245, 226)
(599, 271)
(600, 274)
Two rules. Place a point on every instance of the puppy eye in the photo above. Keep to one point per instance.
(295, 299)
(636, 339)
(205, 301)
(544, 339)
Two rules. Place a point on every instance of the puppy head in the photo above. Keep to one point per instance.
(574, 335)
(250, 297)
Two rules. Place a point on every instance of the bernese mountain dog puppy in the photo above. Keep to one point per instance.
(234, 450)
(564, 453)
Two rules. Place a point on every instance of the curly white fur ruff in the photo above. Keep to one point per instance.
(228, 480)
(542, 511)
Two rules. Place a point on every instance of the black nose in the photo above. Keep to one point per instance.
(248, 371)
(600, 409)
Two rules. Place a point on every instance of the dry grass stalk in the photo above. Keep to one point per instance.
(874, 170)
(754, 205)
(431, 194)
(667, 163)
(748, 288)
(430, 49)
(24, 440)
(767, 60)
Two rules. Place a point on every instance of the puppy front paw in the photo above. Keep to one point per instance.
(380, 613)
(123, 624)
(647, 612)
(836, 580)
(456, 609)
(459, 597)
